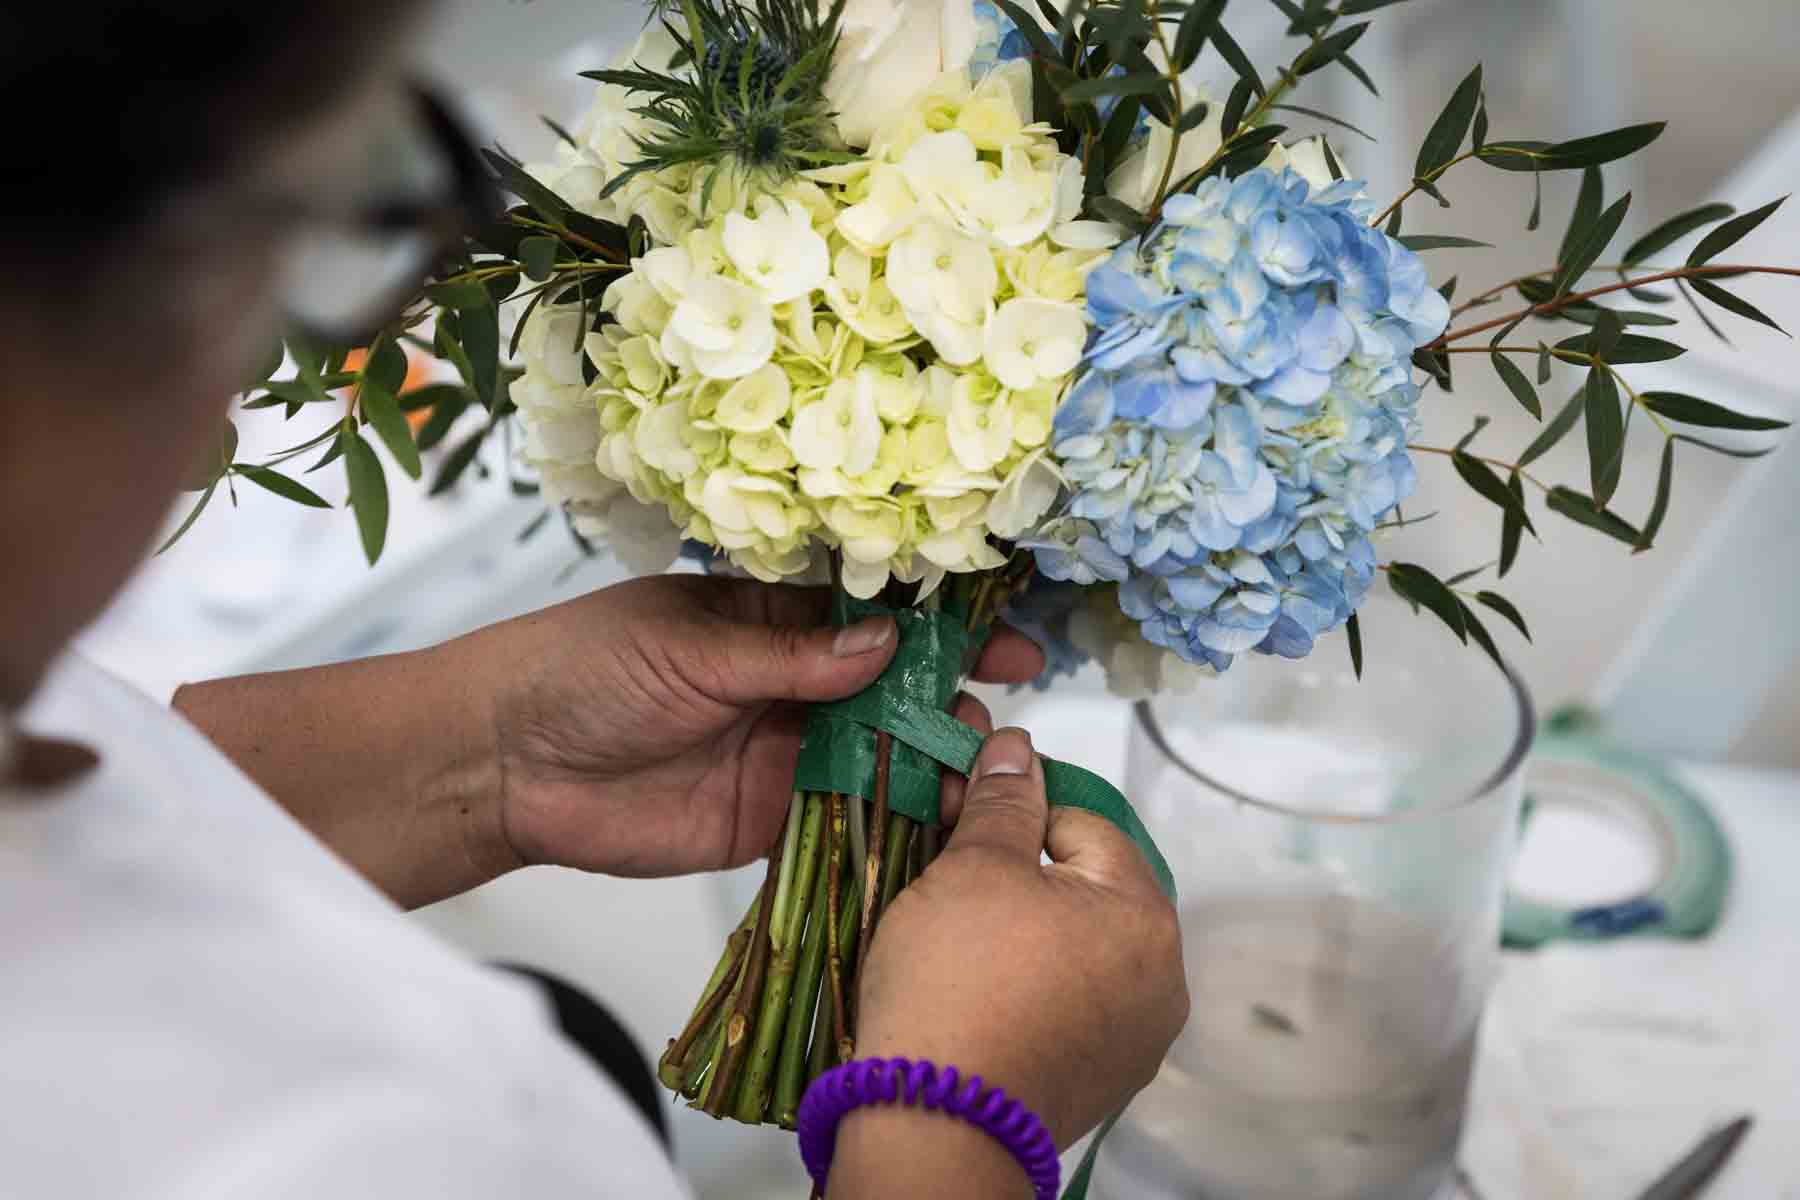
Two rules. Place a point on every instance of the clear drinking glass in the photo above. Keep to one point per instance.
(1341, 849)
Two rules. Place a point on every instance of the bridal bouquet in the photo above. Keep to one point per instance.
(988, 310)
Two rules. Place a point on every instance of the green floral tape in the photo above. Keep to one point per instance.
(909, 701)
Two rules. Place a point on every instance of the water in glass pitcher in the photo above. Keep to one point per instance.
(1327, 1057)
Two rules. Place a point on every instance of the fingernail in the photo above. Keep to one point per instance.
(1006, 752)
(861, 638)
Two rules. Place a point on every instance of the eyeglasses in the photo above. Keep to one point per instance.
(355, 263)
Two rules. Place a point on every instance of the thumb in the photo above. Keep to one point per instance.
(1004, 808)
(757, 662)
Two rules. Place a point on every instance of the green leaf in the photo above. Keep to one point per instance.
(383, 412)
(281, 485)
(1582, 509)
(368, 493)
(1537, 201)
(1353, 630)
(458, 462)
(480, 330)
(429, 396)
(1730, 233)
(271, 363)
(1447, 289)
(1420, 586)
(1199, 21)
(1728, 451)
(1433, 241)
(1594, 151)
(1735, 304)
(193, 515)
(1478, 135)
(1674, 229)
(1605, 433)
(1351, 8)
(1445, 139)
(1518, 384)
(1691, 410)
(1605, 339)
(1479, 632)
(1588, 204)
(1116, 85)
(1359, 74)
(1589, 243)
(332, 453)
(1586, 314)
(1465, 576)
(1481, 477)
(1235, 104)
(1481, 423)
(1543, 364)
(1316, 115)
(1712, 326)
(1631, 348)
(459, 297)
(538, 256)
(1504, 607)
(1030, 27)
(1660, 507)
(386, 365)
(1554, 432)
(443, 415)
(1118, 212)
(515, 179)
(1191, 119)
(214, 461)
(1234, 56)
(1512, 526)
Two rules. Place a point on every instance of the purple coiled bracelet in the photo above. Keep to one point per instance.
(885, 1080)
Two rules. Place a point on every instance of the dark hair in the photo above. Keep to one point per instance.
(112, 105)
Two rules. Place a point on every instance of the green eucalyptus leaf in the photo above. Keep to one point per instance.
(1605, 433)
(214, 461)
(368, 494)
(1594, 151)
(187, 522)
(1351, 8)
(1030, 28)
(1588, 204)
(1504, 607)
(1462, 577)
(1582, 509)
(1537, 201)
(1115, 85)
(516, 179)
(1728, 451)
(1518, 385)
(1235, 104)
(386, 365)
(1512, 526)
(271, 363)
(430, 396)
(1731, 233)
(1445, 139)
(1415, 583)
(1481, 477)
(1734, 304)
(538, 256)
(1201, 18)
(1543, 364)
(1434, 241)
(1479, 632)
(332, 453)
(459, 297)
(1691, 410)
(383, 412)
(1326, 117)
(1631, 348)
(457, 462)
(1660, 507)
(443, 415)
(1234, 56)
(1481, 423)
(1353, 631)
(1359, 74)
(1589, 243)
(1674, 229)
(1118, 212)
(1558, 427)
(281, 485)
(1478, 135)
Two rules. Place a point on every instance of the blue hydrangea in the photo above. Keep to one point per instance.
(997, 40)
(1239, 428)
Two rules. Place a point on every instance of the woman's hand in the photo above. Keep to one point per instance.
(652, 728)
(1061, 983)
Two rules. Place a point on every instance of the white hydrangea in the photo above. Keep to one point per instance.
(866, 360)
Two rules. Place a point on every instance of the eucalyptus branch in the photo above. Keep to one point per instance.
(1510, 467)
(1552, 307)
(1174, 78)
(1419, 184)
(567, 235)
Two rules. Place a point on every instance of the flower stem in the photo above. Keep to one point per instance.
(790, 918)
(790, 839)
(899, 850)
(790, 1064)
(737, 1026)
(1492, 462)
(1408, 194)
(840, 1027)
(674, 1060)
(1556, 305)
(878, 821)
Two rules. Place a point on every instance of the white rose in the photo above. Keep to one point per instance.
(1136, 178)
(1304, 158)
(888, 52)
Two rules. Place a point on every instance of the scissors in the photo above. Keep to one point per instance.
(1683, 1181)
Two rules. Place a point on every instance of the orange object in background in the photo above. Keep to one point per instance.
(418, 374)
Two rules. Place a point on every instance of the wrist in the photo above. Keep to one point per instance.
(459, 775)
(892, 1152)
